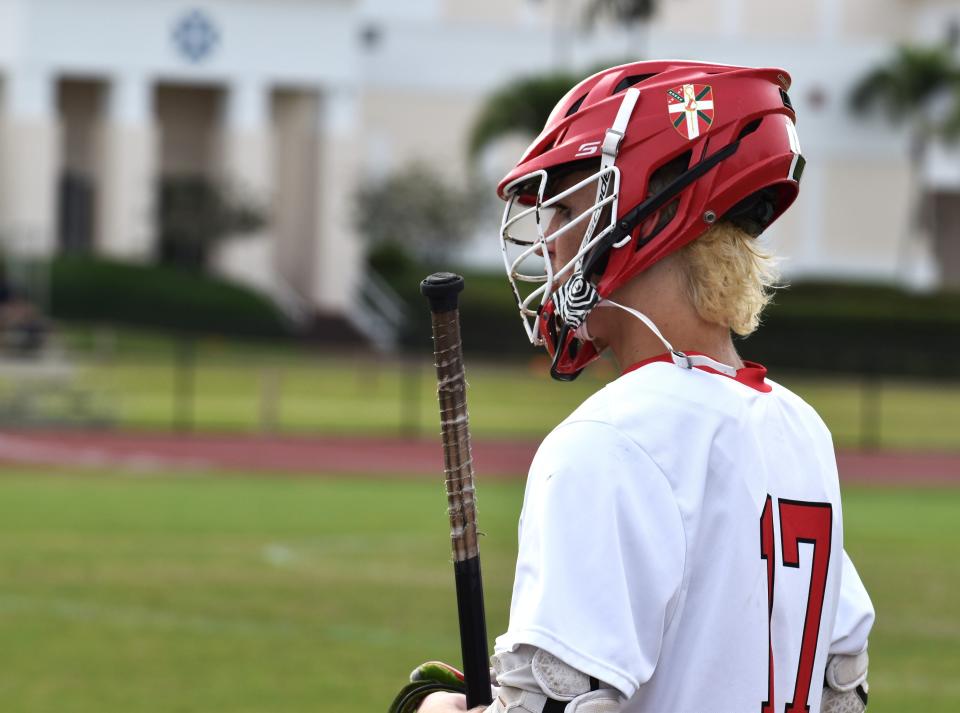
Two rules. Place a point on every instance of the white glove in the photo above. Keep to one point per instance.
(846, 689)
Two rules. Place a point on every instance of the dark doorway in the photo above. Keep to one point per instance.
(946, 234)
(80, 102)
(75, 217)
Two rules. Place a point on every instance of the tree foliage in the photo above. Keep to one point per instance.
(195, 213)
(904, 88)
(628, 12)
(416, 212)
(522, 105)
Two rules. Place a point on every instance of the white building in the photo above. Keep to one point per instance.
(100, 98)
(295, 100)
(436, 59)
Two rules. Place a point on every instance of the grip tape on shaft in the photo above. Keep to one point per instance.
(443, 290)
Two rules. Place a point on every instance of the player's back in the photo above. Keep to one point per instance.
(729, 551)
(754, 476)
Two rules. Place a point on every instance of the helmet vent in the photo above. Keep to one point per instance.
(668, 171)
(628, 82)
(755, 212)
(749, 128)
(786, 100)
(660, 179)
(576, 106)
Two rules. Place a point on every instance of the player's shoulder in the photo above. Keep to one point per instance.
(619, 418)
(591, 439)
(798, 405)
(589, 435)
(592, 457)
(661, 402)
(662, 390)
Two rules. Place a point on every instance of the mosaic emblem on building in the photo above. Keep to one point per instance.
(691, 109)
(196, 36)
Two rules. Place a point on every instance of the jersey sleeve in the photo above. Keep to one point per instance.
(855, 613)
(600, 558)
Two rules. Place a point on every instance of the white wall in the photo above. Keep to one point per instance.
(417, 89)
(304, 41)
(433, 80)
(259, 46)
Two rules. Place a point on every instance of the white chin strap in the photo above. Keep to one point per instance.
(679, 358)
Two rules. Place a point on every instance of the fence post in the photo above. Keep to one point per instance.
(409, 398)
(270, 388)
(183, 387)
(870, 411)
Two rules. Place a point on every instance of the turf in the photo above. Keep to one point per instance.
(125, 591)
(230, 389)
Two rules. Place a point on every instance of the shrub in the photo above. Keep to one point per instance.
(91, 289)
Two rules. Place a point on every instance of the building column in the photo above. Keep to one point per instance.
(247, 151)
(339, 255)
(30, 166)
(127, 185)
(246, 172)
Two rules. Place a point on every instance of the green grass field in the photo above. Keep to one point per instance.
(237, 389)
(201, 593)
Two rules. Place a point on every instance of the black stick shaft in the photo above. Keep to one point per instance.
(473, 631)
(442, 289)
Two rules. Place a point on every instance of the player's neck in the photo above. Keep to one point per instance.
(637, 343)
(661, 295)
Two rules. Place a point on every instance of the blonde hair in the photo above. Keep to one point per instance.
(730, 279)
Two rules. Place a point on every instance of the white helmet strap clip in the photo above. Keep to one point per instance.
(611, 145)
(615, 134)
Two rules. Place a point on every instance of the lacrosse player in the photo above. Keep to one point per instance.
(681, 541)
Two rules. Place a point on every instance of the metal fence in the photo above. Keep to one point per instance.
(203, 385)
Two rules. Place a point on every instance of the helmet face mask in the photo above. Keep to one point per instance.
(725, 133)
(530, 248)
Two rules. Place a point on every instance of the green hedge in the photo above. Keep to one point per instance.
(867, 329)
(830, 327)
(877, 303)
(489, 324)
(815, 326)
(94, 290)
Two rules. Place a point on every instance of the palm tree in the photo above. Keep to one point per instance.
(628, 11)
(522, 105)
(906, 88)
(634, 14)
(919, 87)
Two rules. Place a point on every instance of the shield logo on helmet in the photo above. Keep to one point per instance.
(690, 108)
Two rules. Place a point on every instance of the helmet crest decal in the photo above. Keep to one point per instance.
(691, 111)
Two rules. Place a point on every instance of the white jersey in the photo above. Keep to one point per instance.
(681, 539)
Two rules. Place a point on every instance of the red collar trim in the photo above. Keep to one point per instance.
(752, 374)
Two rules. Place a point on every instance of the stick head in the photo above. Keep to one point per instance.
(442, 290)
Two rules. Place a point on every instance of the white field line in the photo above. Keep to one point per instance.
(141, 618)
(22, 449)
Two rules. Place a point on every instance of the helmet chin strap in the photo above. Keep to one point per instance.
(679, 358)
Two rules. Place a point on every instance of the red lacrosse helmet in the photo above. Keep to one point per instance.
(726, 132)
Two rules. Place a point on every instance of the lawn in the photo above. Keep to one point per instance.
(225, 386)
(204, 593)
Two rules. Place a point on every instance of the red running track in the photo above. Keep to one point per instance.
(370, 456)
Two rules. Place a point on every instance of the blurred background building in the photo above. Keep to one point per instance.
(112, 109)
(107, 103)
